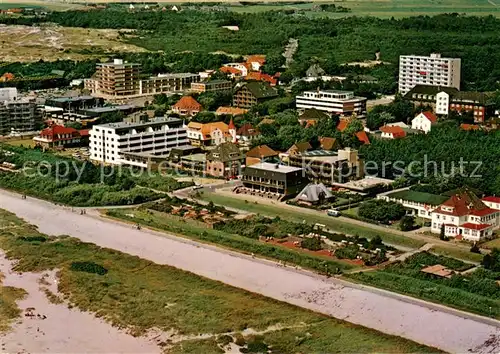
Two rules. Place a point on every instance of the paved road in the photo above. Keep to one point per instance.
(425, 323)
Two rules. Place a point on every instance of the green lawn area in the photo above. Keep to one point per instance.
(201, 232)
(139, 295)
(351, 211)
(475, 292)
(457, 253)
(492, 244)
(331, 222)
(20, 142)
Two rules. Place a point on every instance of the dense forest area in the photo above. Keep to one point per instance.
(331, 42)
(436, 157)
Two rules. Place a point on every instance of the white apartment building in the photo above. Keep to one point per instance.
(432, 70)
(8, 94)
(343, 103)
(135, 144)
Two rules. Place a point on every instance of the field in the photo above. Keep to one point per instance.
(387, 8)
(138, 295)
(332, 223)
(476, 291)
(49, 5)
(378, 8)
(26, 142)
(24, 43)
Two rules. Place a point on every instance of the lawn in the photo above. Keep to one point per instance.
(201, 232)
(333, 223)
(458, 253)
(139, 295)
(475, 292)
(25, 142)
(495, 243)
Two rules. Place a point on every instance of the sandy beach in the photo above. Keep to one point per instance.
(426, 323)
(49, 328)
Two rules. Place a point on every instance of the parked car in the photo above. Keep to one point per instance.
(333, 212)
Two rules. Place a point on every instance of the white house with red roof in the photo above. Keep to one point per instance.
(60, 136)
(424, 121)
(392, 132)
(465, 216)
(492, 202)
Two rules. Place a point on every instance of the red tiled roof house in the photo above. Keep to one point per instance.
(467, 217)
(392, 132)
(424, 121)
(60, 136)
(187, 106)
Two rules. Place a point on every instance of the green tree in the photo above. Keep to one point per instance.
(407, 223)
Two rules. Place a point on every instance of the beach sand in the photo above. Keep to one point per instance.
(64, 330)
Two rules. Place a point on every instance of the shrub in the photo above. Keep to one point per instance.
(33, 238)
(382, 211)
(88, 267)
(313, 244)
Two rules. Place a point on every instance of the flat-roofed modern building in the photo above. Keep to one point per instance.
(116, 79)
(428, 70)
(19, 116)
(342, 103)
(136, 144)
(212, 86)
(164, 83)
(329, 167)
(273, 180)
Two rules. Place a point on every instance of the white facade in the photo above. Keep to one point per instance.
(442, 102)
(8, 94)
(241, 67)
(109, 142)
(343, 103)
(470, 227)
(432, 70)
(421, 122)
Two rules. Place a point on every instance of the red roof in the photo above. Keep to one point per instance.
(231, 70)
(84, 132)
(492, 199)
(430, 116)
(59, 132)
(464, 203)
(465, 126)
(261, 59)
(343, 124)
(397, 132)
(363, 137)
(231, 124)
(469, 225)
(188, 103)
(247, 129)
(258, 76)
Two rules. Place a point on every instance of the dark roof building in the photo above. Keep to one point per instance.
(252, 93)
(273, 180)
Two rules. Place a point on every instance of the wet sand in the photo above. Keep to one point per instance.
(63, 330)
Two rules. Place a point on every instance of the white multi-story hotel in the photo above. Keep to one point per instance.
(136, 143)
(343, 103)
(432, 70)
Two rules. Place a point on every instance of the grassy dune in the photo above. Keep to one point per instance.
(139, 295)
